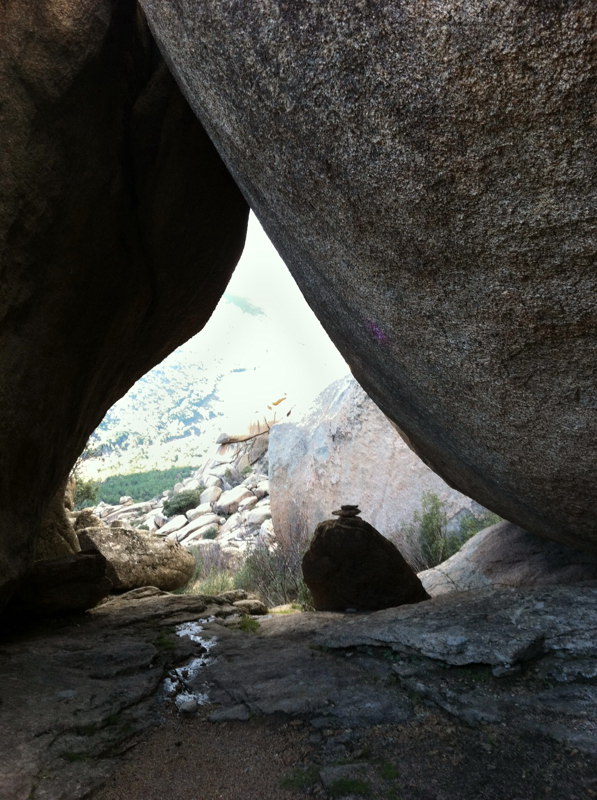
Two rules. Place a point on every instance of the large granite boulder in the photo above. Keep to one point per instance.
(505, 555)
(427, 172)
(350, 565)
(346, 447)
(139, 558)
(119, 229)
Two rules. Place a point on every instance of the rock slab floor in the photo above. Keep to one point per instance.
(489, 695)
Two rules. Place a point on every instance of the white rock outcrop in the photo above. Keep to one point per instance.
(228, 502)
(233, 509)
(175, 524)
(210, 494)
(346, 451)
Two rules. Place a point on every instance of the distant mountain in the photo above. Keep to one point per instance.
(235, 372)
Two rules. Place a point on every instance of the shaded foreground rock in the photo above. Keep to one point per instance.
(509, 673)
(505, 555)
(57, 536)
(137, 558)
(526, 659)
(73, 693)
(61, 586)
(427, 173)
(119, 230)
(350, 565)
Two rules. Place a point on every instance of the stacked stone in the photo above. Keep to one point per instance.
(351, 566)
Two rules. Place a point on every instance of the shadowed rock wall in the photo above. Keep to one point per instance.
(119, 229)
(426, 171)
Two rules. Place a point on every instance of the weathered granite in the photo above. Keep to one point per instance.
(119, 230)
(345, 447)
(350, 565)
(60, 586)
(506, 555)
(524, 659)
(73, 694)
(427, 172)
(140, 558)
(506, 668)
(57, 537)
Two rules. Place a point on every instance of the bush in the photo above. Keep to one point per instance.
(182, 502)
(472, 525)
(427, 542)
(435, 541)
(211, 574)
(86, 492)
(275, 573)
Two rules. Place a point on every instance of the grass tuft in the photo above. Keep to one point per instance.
(301, 778)
(346, 786)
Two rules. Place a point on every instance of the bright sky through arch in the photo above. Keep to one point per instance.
(261, 343)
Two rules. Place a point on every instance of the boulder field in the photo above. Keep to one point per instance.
(427, 173)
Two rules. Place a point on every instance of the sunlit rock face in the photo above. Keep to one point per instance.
(119, 229)
(425, 171)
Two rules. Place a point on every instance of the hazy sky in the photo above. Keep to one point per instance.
(262, 342)
(288, 348)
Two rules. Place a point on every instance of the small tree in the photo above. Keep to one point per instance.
(427, 542)
(86, 492)
(436, 543)
(183, 502)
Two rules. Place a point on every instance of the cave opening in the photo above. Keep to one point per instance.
(261, 346)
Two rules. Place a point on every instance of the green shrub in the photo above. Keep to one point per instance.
(86, 493)
(436, 543)
(210, 533)
(182, 502)
(273, 574)
(426, 542)
(248, 625)
(472, 525)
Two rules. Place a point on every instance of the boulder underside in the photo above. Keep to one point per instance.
(119, 230)
(427, 173)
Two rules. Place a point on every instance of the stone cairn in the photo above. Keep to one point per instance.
(347, 511)
(351, 566)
